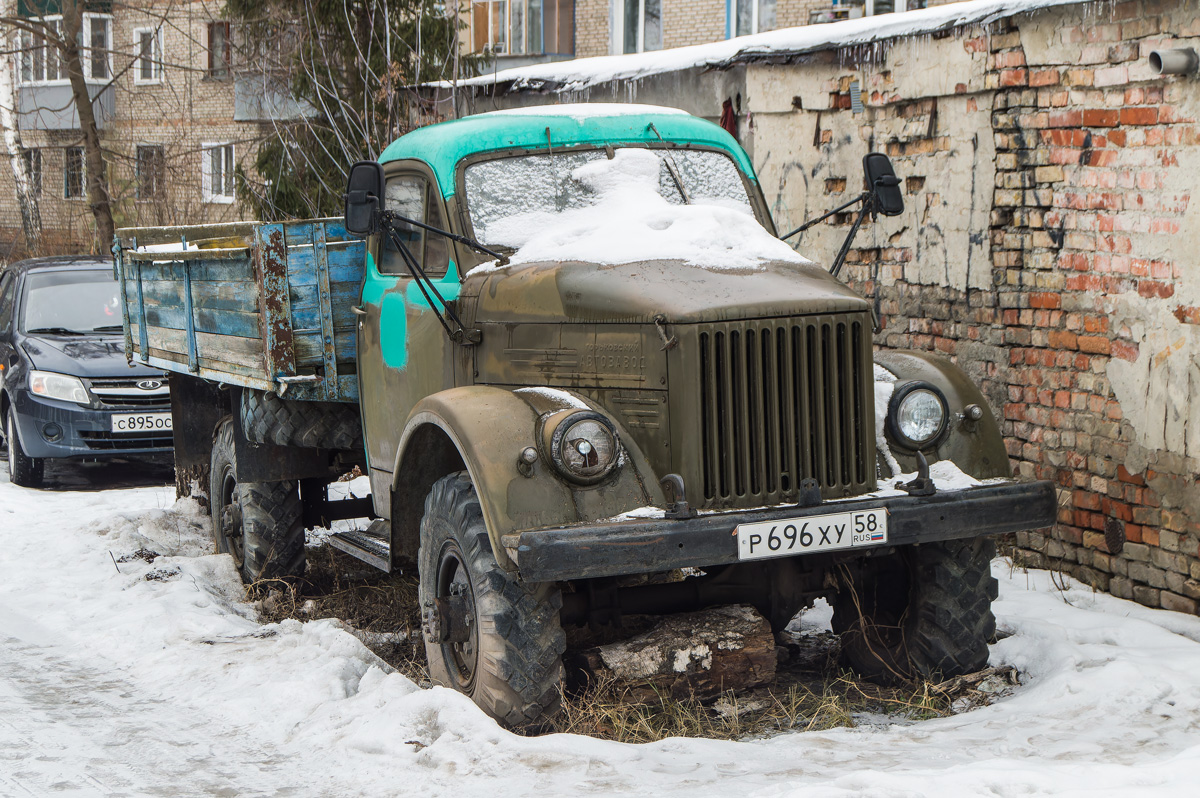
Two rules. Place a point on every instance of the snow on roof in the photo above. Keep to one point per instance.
(584, 72)
(586, 110)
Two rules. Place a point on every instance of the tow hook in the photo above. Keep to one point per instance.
(922, 485)
(678, 508)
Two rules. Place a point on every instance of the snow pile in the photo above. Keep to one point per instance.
(885, 383)
(560, 397)
(582, 73)
(631, 221)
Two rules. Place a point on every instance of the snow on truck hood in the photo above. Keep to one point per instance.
(632, 222)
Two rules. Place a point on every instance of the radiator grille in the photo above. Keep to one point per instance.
(785, 400)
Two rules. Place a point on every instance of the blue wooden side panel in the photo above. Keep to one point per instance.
(280, 307)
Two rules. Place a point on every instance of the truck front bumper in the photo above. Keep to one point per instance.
(649, 545)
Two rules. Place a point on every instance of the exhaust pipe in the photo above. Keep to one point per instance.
(1180, 61)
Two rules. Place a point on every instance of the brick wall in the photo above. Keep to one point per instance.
(693, 22)
(1048, 247)
(591, 28)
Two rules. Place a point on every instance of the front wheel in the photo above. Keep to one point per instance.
(487, 635)
(23, 470)
(259, 524)
(925, 612)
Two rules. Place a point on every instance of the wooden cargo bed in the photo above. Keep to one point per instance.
(260, 305)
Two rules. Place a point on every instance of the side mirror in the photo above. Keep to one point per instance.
(364, 190)
(882, 183)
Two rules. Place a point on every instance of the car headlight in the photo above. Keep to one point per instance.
(917, 415)
(582, 445)
(58, 386)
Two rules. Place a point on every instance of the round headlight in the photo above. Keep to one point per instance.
(584, 447)
(917, 415)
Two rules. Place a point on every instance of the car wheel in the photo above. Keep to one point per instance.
(488, 635)
(23, 470)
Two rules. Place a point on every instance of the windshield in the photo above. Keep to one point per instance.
(510, 198)
(72, 302)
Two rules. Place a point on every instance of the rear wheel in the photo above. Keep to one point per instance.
(487, 635)
(23, 470)
(259, 524)
(925, 613)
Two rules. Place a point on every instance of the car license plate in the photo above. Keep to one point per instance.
(141, 422)
(812, 534)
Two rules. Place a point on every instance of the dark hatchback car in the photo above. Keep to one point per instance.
(66, 389)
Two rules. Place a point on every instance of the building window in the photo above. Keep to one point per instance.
(147, 67)
(752, 16)
(640, 27)
(151, 168)
(216, 172)
(219, 50)
(99, 43)
(73, 173)
(519, 27)
(31, 160)
(853, 9)
(41, 62)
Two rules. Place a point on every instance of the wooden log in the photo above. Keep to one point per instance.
(700, 654)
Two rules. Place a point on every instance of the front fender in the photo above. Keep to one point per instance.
(976, 447)
(490, 427)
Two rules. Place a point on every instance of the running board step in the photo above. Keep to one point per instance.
(370, 546)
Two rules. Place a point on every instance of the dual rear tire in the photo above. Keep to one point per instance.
(259, 524)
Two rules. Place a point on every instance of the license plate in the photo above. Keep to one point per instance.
(141, 422)
(812, 534)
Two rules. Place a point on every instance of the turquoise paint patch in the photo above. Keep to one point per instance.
(393, 331)
(374, 285)
(443, 145)
(394, 307)
(448, 286)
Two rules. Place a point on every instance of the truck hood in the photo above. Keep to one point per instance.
(79, 356)
(634, 293)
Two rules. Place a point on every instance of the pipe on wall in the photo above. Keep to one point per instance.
(1179, 61)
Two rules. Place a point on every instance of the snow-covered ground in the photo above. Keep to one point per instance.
(136, 678)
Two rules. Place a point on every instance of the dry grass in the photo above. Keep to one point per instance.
(381, 608)
(792, 703)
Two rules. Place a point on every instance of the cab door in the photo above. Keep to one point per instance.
(403, 352)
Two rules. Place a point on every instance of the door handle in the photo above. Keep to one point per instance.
(358, 311)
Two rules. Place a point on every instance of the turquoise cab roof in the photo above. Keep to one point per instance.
(443, 145)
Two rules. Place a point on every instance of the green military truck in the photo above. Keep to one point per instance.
(573, 357)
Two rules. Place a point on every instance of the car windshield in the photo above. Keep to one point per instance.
(511, 198)
(72, 301)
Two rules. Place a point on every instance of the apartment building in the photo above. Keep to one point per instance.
(521, 32)
(175, 120)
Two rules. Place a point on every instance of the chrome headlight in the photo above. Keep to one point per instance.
(582, 445)
(64, 387)
(917, 415)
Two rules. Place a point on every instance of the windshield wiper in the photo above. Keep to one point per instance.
(672, 169)
(54, 331)
(109, 328)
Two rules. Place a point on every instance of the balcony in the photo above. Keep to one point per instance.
(50, 106)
